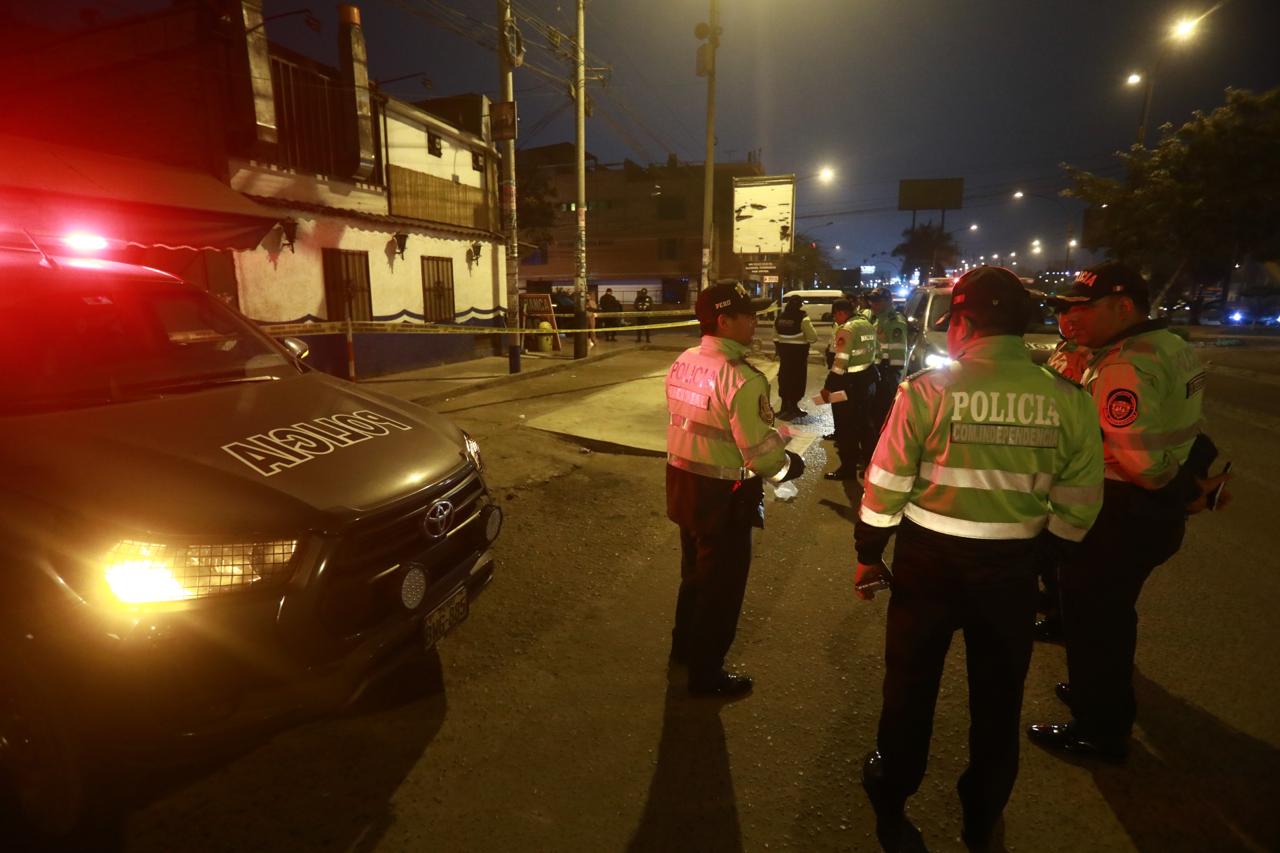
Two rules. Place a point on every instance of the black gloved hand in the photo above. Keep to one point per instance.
(795, 466)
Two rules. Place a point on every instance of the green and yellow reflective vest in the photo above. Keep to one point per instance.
(854, 346)
(992, 446)
(721, 420)
(1148, 388)
(891, 336)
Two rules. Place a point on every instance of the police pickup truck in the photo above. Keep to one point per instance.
(197, 531)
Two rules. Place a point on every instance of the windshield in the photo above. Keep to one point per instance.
(102, 342)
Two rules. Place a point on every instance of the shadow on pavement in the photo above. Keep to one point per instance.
(691, 803)
(1202, 785)
(319, 785)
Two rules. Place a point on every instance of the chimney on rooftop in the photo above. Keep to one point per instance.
(355, 75)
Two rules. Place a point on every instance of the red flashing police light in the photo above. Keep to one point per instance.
(81, 241)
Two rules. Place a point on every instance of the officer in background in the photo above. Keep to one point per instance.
(721, 445)
(852, 371)
(981, 464)
(1069, 361)
(891, 337)
(793, 332)
(643, 302)
(1147, 386)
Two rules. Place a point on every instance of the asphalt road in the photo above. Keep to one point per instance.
(549, 720)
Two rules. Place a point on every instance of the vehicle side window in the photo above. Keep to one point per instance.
(915, 305)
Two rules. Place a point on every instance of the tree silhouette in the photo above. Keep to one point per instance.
(927, 248)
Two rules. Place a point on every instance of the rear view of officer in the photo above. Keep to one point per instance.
(793, 333)
(721, 444)
(980, 465)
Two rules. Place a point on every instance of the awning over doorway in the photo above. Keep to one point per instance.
(52, 190)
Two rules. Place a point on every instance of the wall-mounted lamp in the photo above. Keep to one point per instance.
(288, 233)
(473, 254)
(401, 239)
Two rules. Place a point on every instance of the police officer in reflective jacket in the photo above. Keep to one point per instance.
(793, 332)
(891, 341)
(1147, 385)
(853, 373)
(721, 446)
(980, 465)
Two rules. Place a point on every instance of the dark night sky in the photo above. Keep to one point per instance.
(998, 92)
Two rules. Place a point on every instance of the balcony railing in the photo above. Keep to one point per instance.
(315, 116)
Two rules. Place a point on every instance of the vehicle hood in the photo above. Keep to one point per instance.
(310, 452)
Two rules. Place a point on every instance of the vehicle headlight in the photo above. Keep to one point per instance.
(153, 572)
(933, 359)
(472, 451)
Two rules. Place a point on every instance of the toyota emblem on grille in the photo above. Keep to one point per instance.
(438, 519)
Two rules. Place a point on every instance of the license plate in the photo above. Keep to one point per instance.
(444, 618)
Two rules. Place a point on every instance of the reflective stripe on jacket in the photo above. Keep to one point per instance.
(990, 447)
(854, 346)
(891, 335)
(721, 423)
(1148, 388)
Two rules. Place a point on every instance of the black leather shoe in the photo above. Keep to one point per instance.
(1065, 737)
(726, 685)
(1049, 630)
(840, 474)
(1063, 691)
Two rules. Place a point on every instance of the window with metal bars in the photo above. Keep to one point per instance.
(346, 285)
(437, 289)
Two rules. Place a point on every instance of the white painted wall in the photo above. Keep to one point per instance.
(278, 285)
(407, 147)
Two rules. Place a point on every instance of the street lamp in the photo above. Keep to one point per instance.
(1133, 79)
(826, 174)
(709, 35)
(1018, 193)
(1182, 31)
(973, 227)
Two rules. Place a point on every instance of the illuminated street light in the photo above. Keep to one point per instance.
(1013, 254)
(826, 174)
(1017, 194)
(973, 227)
(1184, 29)
(1035, 242)
(995, 257)
(837, 247)
(1035, 250)
(1133, 79)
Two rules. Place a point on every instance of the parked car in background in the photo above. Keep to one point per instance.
(927, 341)
(817, 303)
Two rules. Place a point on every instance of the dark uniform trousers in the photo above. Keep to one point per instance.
(987, 589)
(715, 518)
(886, 389)
(793, 369)
(855, 425)
(1100, 585)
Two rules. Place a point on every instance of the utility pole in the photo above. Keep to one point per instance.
(580, 103)
(707, 65)
(507, 187)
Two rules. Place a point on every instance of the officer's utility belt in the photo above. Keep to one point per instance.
(790, 339)
(857, 368)
(715, 472)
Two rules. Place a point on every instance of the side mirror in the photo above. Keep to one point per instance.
(913, 323)
(298, 347)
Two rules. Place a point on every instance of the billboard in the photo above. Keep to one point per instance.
(868, 269)
(939, 194)
(764, 215)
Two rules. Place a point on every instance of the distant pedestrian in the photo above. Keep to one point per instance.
(793, 332)
(644, 302)
(981, 464)
(721, 445)
(592, 311)
(609, 304)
